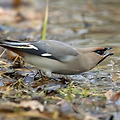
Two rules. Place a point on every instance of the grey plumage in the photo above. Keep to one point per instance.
(50, 46)
(57, 57)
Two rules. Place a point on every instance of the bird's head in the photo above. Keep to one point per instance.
(94, 56)
(103, 53)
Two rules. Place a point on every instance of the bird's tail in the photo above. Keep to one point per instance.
(12, 43)
(14, 46)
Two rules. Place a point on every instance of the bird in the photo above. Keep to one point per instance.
(51, 56)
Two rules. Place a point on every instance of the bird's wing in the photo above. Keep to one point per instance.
(47, 48)
(55, 50)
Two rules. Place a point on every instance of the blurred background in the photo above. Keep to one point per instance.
(83, 23)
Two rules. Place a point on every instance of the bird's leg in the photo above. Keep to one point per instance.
(38, 73)
(41, 74)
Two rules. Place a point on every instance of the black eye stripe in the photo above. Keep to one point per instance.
(100, 52)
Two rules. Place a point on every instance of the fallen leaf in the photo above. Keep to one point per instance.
(109, 94)
(112, 96)
(115, 96)
(33, 104)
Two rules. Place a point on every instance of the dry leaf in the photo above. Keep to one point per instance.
(33, 104)
(112, 96)
(109, 94)
(115, 97)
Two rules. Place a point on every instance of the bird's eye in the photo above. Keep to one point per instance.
(100, 52)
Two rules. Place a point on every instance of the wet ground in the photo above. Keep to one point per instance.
(92, 95)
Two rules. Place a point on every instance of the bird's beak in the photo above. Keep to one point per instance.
(106, 53)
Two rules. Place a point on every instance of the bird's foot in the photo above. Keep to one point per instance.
(41, 75)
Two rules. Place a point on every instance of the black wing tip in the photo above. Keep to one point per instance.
(7, 42)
